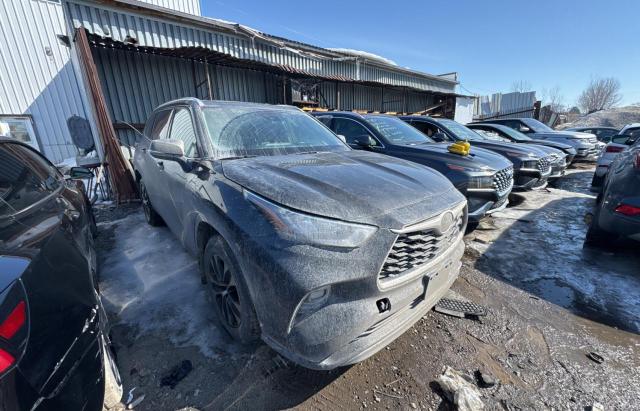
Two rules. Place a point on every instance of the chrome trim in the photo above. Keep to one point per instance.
(433, 222)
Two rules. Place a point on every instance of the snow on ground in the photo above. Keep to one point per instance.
(538, 246)
(615, 117)
(150, 283)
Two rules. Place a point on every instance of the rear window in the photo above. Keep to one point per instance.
(25, 178)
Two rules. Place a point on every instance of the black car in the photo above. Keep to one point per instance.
(531, 166)
(485, 178)
(325, 253)
(54, 348)
(617, 210)
(603, 134)
(517, 137)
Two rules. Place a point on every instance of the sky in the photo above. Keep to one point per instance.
(491, 44)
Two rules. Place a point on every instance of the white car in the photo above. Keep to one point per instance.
(611, 150)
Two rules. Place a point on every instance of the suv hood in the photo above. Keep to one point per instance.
(567, 134)
(477, 158)
(522, 151)
(353, 186)
(554, 144)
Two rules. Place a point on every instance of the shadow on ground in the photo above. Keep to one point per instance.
(161, 316)
(538, 247)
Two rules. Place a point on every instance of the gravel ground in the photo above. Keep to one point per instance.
(550, 303)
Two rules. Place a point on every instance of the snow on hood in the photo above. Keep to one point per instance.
(364, 54)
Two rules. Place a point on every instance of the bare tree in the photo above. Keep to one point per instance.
(521, 86)
(553, 98)
(601, 94)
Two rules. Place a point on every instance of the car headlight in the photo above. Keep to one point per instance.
(308, 229)
(469, 169)
(481, 182)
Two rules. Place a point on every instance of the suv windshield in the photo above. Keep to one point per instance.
(537, 126)
(460, 131)
(514, 134)
(262, 131)
(397, 131)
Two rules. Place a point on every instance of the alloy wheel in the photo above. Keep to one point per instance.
(224, 290)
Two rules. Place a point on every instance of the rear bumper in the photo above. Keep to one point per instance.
(409, 303)
(619, 224)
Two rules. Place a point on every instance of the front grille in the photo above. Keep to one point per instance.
(418, 248)
(544, 165)
(503, 180)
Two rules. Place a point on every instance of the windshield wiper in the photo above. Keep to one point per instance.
(237, 157)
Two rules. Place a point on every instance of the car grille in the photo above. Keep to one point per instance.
(544, 165)
(418, 248)
(503, 180)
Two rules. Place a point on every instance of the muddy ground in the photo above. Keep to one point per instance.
(550, 302)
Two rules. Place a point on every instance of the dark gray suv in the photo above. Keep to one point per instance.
(326, 253)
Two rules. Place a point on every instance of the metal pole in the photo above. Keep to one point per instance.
(206, 68)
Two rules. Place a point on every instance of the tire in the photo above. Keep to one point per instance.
(150, 214)
(112, 381)
(228, 292)
(597, 237)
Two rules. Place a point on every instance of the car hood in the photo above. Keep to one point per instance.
(554, 144)
(521, 151)
(566, 134)
(353, 186)
(477, 158)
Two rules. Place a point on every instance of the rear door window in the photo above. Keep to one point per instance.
(182, 129)
(160, 128)
(350, 129)
(25, 178)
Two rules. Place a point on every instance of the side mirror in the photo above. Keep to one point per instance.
(167, 149)
(80, 173)
(524, 129)
(439, 137)
(171, 150)
(342, 138)
(622, 139)
(365, 141)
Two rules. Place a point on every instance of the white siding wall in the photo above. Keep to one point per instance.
(185, 6)
(36, 74)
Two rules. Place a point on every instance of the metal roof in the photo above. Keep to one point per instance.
(145, 25)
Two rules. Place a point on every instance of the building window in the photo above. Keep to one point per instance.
(20, 128)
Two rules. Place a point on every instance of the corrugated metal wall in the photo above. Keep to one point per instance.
(502, 105)
(185, 6)
(36, 74)
(136, 83)
(153, 32)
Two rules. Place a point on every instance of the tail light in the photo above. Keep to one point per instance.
(14, 329)
(628, 210)
(636, 161)
(614, 149)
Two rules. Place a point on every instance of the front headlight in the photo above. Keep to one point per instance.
(481, 182)
(308, 229)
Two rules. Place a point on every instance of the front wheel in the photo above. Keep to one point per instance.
(228, 292)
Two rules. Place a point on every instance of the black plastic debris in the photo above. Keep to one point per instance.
(455, 305)
(595, 357)
(176, 374)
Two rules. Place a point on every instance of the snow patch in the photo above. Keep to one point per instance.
(150, 283)
(364, 54)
